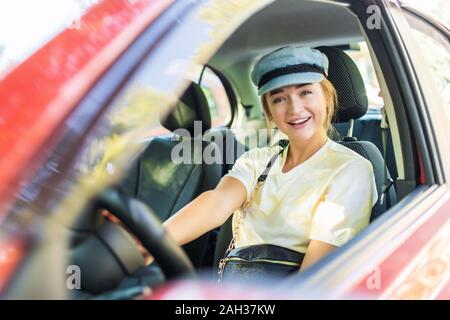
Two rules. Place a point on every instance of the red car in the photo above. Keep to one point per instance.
(90, 122)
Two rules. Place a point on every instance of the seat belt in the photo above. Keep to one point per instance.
(388, 182)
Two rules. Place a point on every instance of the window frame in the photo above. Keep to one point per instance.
(229, 90)
(431, 97)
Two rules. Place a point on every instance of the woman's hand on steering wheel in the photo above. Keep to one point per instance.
(140, 220)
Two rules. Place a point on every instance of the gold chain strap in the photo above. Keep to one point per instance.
(241, 215)
(243, 212)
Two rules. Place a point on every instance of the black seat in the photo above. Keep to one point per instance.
(165, 183)
(230, 148)
(368, 128)
(352, 104)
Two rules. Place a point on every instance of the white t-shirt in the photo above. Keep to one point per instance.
(328, 197)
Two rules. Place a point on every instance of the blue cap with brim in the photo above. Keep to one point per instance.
(289, 66)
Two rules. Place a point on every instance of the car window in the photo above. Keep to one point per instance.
(215, 93)
(435, 50)
(363, 61)
(435, 8)
(216, 96)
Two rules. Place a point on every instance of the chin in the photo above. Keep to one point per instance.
(300, 137)
(305, 134)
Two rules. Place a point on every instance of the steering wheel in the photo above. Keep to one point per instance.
(147, 228)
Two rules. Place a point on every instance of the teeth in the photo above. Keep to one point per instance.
(300, 121)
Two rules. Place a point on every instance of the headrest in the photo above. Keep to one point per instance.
(191, 107)
(346, 78)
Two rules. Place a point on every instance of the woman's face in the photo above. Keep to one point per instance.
(299, 111)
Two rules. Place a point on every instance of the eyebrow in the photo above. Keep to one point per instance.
(273, 92)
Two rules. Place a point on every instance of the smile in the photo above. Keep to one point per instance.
(299, 122)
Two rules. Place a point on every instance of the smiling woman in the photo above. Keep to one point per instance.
(77, 137)
(279, 217)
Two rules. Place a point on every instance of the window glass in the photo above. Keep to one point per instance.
(435, 50)
(218, 102)
(215, 94)
(437, 8)
(363, 61)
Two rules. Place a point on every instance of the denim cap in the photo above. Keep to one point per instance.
(288, 66)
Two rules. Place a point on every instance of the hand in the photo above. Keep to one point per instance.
(147, 256)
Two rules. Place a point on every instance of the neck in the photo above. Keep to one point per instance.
(300, 151)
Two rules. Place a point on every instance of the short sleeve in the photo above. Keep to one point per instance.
(347, 204)
(244, 170)
(248, 167)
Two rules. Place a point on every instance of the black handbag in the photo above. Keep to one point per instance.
(260, 260)
(256, 261)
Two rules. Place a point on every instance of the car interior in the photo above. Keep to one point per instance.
(221, 96)
(355, 128)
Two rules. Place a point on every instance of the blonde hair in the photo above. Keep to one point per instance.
(330, 101)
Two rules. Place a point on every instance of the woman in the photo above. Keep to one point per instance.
(318, 194)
